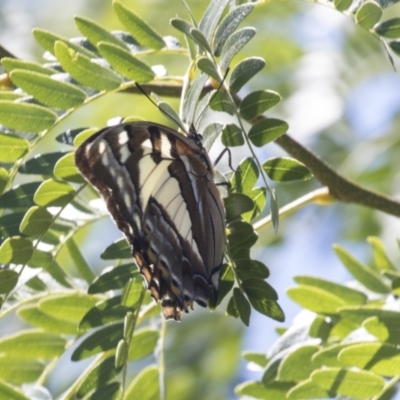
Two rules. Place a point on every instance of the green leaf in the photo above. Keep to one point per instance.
(384, 325)
(245, 176)
(342, 5)
(250, 269)
(68, 307)
(274, 390)
(389, 29)
(110, 391)
(138, 28)
(283, 169)
(53, 93)
(120, 249)
(234, 44)
(125, 63)
(259, 289)
(10, 223)
(79, 261)
(210, 134)
(241, 234)
(269, 308)
(121, 353)
(297, 365)
(358, 384)
(8, 280)
(24, 117)
(321, 328)
(316, 299)
(255, 103)
(199, 38)
(145, 386)
(52, 193)
(211, 17)
(328, 356)
(97, 375)
(381, 259)
(395, 46)
(36, 221)
(182, 25)
(368, 14)
(106, 312)
(67, 170)
(242, 306)
(244, 71)
(229, 25)
(267, 130)
(307, 390)
(10, 392)
(143, 343)
(20, 196)
(259, 197)
(40, 259)
(19, 371)
(232, 136)
(33, 316)
(15, 250)
(85, 71)
(274, 209)
(101, 340)
(12, 148)
(116, 278)
(226, 282)
(231, 309)
(48, 39)
(220, 101)
(208, 67)
(256, 358)
(32, 344)
(8, 95)
(3, 175)
(95, 33)
(10, 64)
(348, 295)
(237, 204)
(132, 291)
(381, 358)
(41, 164)
(366, 276)
(193, 96)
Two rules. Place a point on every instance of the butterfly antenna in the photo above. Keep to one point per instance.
(162, 111)
(213, 96)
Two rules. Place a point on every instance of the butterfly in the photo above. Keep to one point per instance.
(159, 187)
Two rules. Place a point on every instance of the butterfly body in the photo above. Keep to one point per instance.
(159, 188)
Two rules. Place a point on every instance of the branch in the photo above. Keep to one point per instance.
(339, 187)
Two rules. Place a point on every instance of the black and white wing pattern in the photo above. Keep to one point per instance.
(159, 187)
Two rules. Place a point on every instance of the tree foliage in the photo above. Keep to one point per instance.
(344, 345)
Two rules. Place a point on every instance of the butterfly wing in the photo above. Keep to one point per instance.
(158, 186)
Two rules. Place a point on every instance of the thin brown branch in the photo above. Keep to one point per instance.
(339, 187)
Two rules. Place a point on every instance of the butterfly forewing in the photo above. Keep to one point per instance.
(158, 186)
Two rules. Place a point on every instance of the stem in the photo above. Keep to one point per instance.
(319, 196)
(161, 358)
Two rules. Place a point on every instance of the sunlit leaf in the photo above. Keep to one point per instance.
(125, 63)
(284, 169)
(12, 148)
(54, 93)
(138, 28)
(244, 71)
(145, 385)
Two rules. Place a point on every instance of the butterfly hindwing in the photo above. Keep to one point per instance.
(158, 186)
